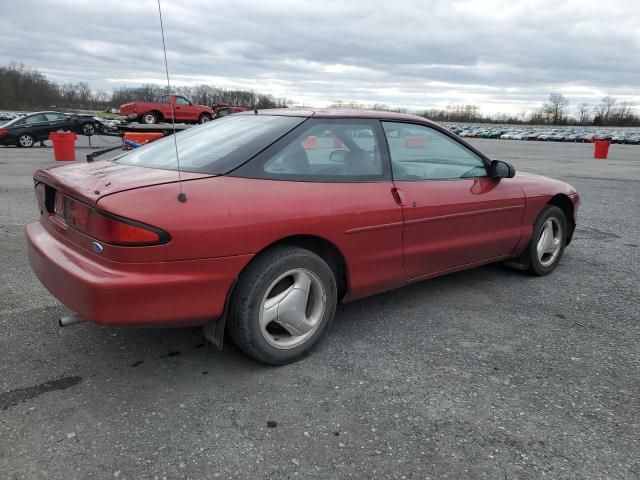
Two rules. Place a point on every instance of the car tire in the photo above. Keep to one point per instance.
(204, 118)
(25, 140)
(149, 118)
(88, 129)
(548, 241)
(284, 302)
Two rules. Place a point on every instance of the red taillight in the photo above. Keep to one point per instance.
(106, 227)
(3, 132)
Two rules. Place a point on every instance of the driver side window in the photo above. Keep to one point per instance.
(182, 101)
(423, 153)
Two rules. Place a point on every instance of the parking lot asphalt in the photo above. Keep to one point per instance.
(488, 373)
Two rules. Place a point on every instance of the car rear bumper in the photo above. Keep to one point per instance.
(179, 293)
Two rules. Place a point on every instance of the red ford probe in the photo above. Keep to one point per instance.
(286, 214)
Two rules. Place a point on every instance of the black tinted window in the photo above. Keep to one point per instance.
(35, 119)
(215, 147)
(55, 117)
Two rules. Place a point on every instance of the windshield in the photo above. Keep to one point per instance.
(216, 147)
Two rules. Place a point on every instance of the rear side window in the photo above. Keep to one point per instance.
(35, 119)
(323, 150)
(55, 117)
(423, 153)
(215, 147)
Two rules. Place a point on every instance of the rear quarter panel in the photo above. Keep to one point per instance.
(228, 216)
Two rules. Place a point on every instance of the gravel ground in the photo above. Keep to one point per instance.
(488, 373)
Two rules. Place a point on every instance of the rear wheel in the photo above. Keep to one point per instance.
(284, 303)
(26, 140)
(548, 241)
(149, 118)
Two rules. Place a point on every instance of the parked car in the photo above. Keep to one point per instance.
(602, 136)
(161, 111)
(224, 110)
(124, 242)
(530, 135)
(34, 127)
(545, 136)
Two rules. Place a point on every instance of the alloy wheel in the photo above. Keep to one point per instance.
(26, 140)
(550, 242)
(88, 129)
(292, 308)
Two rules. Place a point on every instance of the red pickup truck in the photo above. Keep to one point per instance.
(160, 111)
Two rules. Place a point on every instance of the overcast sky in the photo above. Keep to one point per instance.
(505, 56)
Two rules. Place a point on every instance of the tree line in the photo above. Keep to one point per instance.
(554, 111)
(23, 88)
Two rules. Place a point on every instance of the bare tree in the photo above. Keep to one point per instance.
(623, 113)
(605, 109)
(584, 113)
(554, 108)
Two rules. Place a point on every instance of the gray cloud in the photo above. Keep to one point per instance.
(503, 55)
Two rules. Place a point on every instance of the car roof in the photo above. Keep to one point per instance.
(340, 113)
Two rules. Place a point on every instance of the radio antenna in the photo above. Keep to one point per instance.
(182, 197)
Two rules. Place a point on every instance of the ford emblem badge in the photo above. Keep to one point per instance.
(96, 247)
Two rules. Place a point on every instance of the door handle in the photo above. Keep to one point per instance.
(399, 196)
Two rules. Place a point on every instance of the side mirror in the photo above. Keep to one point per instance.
(338, 156)
(500, 169)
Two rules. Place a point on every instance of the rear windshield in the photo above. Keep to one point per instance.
(216, 147)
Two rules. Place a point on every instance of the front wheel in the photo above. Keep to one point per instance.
(284, 303)
(204, 118)
(88, 129)
(548, 241)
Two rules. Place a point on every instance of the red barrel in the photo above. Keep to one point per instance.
(64, 145)
(601, 149)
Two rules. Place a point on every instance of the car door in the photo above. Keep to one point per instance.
(185, 110)
(331, 178)
(455, 214)
(37, 126)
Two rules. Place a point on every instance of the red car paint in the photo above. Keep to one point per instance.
(388, 234)
(185, 111)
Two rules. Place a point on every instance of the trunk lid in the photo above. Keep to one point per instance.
(88, 182)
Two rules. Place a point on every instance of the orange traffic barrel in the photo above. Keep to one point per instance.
(601, 149)
(64, 145)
